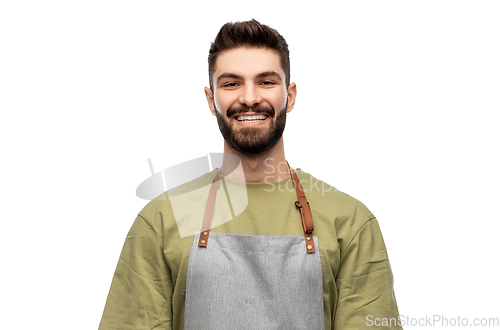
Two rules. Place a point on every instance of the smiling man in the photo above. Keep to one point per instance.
(251, 89)
(250, 95)
(301, 255)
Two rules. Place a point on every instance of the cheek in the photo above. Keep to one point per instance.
(279, 101)
(278, 97)
(223, 101)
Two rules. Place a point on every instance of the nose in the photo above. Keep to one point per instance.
(250, 95)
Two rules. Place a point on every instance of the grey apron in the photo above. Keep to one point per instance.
(254, 282)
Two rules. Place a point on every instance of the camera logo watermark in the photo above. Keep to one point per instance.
(432, 321)
(186, 185)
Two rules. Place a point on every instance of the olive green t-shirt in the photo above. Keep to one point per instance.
(148, 287)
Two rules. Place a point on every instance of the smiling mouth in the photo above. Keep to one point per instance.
(250, 118)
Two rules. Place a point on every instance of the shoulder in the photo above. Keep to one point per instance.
(172, 207)
(332, 207)
(327, 196)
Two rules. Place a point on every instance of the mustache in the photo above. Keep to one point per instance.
(232, 111)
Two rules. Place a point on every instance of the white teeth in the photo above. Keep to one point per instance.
(251, 119)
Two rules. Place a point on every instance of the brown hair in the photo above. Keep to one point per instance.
(248, 34)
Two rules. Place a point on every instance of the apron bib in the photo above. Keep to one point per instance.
(254, 282)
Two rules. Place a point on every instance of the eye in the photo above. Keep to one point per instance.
(231, 84)
(268, 83)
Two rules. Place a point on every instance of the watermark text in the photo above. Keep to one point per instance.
(432, 321)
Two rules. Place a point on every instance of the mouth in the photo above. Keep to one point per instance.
(251, 118)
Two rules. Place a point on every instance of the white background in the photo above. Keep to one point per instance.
(397, 106)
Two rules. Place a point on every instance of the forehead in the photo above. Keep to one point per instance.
(248, 62)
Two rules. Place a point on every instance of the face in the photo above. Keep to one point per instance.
(250, 99)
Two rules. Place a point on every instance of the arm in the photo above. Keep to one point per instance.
(365, 283)
(141, 291)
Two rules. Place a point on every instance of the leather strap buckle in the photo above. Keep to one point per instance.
(305, 211)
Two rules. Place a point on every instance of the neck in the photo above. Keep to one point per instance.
(268, 166)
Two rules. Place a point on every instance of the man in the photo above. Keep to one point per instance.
(300, 255)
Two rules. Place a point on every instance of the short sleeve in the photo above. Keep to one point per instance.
(140, 296)
(365, 283)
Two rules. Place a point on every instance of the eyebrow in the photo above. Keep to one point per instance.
(228, 75)
(269, 74)
(260, 75)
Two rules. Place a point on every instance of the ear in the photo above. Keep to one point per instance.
(292, 93)
(210, 99)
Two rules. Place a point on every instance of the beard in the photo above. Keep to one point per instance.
(252, 140)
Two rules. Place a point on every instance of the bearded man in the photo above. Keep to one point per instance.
(298, 258)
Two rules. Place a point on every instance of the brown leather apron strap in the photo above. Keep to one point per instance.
(301, 203)
(305, 212)
(209, 211)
